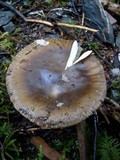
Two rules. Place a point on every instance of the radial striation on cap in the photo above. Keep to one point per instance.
(47, 94)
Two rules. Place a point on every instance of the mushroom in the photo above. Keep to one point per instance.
(47, 94)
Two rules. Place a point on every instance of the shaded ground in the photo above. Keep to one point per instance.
(63, 140)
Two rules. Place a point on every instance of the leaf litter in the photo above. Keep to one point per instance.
(27, 36)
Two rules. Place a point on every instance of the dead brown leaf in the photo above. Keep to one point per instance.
(49, 152)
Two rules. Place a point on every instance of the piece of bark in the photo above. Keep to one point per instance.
(112, 7)
(49, 152)
(113, 21)
(81, 140)
(95, 12)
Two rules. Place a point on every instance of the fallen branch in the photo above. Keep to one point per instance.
(117, 106)
(45, 22)
(112, 7)
(114, 111)
(49, 152)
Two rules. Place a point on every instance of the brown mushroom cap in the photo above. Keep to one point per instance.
(46, 94)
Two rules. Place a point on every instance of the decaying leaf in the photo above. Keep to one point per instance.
(72, 60)
(49, 152)
(83, 56)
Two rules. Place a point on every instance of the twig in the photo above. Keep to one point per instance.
(39, 21)
(117, 106)
(83, 12)
(45, 22)
(81, 139)
(74, 7)
(104, 59)
(107, 120)
(112, 7)
(61, 24)
(76, 26)
(83, 18)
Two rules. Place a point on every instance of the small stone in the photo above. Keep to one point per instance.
(4, 59)
(10, 27)
(115, 95)
(60, 104)
(115, 72)
(34, 34)
(116, 60)
(27, 3)
(5, 17)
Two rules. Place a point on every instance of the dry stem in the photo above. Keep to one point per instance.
(81, 139)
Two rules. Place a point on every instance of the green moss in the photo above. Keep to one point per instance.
(66, 147)
(108, 148)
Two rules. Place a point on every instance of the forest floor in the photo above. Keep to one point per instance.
(16, 131)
